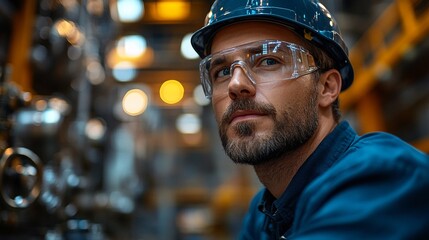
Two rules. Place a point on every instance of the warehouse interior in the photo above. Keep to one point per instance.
(105, 132)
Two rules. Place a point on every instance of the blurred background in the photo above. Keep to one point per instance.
(105, 132)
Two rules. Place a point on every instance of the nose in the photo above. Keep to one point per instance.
(241, 84)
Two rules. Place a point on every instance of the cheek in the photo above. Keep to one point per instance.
(219, 108)
(279, 97)
(285, 93)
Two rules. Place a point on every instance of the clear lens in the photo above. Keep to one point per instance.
(262, 61)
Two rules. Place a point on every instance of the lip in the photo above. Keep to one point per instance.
(244, 115)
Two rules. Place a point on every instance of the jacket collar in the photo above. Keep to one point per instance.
(326, 154)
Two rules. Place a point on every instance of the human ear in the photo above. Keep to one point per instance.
(330, 82)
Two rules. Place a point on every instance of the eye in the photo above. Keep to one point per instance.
(269, 62)
(222, 73)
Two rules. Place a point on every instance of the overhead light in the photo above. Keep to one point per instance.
(130, 10)
(142, 61)
(124, 71)
(188, 123)
(135, 102)
(170, 10)
(186, 48)
(171, 91)
(131, 46)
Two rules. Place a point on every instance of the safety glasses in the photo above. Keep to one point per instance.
(262, 61)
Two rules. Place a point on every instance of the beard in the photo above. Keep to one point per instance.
(292, 128)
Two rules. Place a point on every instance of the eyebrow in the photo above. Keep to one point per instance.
(254, 50)
(218, 60)
(221, 58)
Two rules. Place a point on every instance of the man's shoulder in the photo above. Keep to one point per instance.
(379, 161)
(380, 182)
(381, 148)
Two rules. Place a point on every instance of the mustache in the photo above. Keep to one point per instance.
(247, 105)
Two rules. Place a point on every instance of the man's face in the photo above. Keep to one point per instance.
(260, 123)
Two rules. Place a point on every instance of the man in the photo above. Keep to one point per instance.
(274, 70)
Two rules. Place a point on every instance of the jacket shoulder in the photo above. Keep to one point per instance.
(380, 182)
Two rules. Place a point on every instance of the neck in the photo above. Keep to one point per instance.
(276, 175)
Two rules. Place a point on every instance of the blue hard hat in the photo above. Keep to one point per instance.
(308, 18)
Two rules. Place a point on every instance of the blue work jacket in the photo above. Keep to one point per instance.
(373, 186)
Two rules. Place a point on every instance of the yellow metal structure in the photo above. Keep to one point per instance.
(401, 26)
(22, 35)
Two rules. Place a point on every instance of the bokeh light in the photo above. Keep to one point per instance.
(131, 46)
(171, 91)
(130, 10)
(95, 129)
(171, 10)
(124, 71)
(135, 102)
(199, 96)
(186, 48)
(188, 123)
